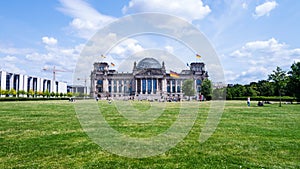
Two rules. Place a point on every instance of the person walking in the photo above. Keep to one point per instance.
(248, 101)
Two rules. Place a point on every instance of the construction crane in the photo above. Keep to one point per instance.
(54, 70)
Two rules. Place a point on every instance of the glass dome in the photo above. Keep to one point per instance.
(147, 63)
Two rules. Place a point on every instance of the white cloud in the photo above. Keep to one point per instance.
(239, 53)
(12, 67)
(265, 8)
(86, 20)
(126, 48)
(170, 49)
(261, 58)
(190, 10)
(244, 5)
(271, 44)
(14, 51)
(64, 59)
(49, 40)
(12, 64)
(10, 58)
(268, 46)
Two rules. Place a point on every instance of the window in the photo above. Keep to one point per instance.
(178, 89)
(198, 82)
(100, 82)
(101, 68)
(144, 86)
(149, 86)
(168, 89)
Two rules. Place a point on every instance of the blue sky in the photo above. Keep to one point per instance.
(250, 37)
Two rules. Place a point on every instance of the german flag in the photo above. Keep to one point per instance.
(174, 74)
(198, 56)
(112, 64)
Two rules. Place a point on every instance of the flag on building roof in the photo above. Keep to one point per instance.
(174, 74)
(198, 56)
(112, 64)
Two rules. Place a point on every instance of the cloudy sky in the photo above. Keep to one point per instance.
(250, 37)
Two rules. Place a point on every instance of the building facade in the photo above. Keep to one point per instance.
(26, 83)
(81, 90)
(148, 80)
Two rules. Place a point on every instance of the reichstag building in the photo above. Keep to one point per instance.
(148, 80)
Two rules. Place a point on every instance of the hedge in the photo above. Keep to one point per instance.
(31, 98)
(268, 98)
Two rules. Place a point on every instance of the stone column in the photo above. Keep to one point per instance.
(171, 86)
(17, 84)
(112, 87)
(195, 86)
(136, 87)
(117, 86)
(163, 83)
(180, 86)
(95, 87)
(181, 94)
(157, 85)
(152, 87)
(105, 85)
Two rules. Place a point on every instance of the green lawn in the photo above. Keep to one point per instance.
(47, 134)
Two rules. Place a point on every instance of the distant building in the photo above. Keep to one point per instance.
(26, 83)
(79, 89)
(219, 85)
(148, 80)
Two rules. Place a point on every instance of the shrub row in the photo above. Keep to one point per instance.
(268, 98)
(31, 98)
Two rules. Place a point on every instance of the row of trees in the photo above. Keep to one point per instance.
(31, 93)
(279, 83)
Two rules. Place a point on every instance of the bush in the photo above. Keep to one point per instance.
(267, 98)
(29, 99)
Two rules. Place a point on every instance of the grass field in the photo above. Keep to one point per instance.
(47, 134)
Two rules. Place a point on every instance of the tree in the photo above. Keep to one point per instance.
(5, 92)
(279, 78)
(206, 89)
(12, 92)
(294, 80)
(21, 92)
(265, 88)
(46, 93)
(69, 94)
(219, 93)
(52, 94)
(40, 93)
(188, 88)
(250, 90)
(30, 93)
